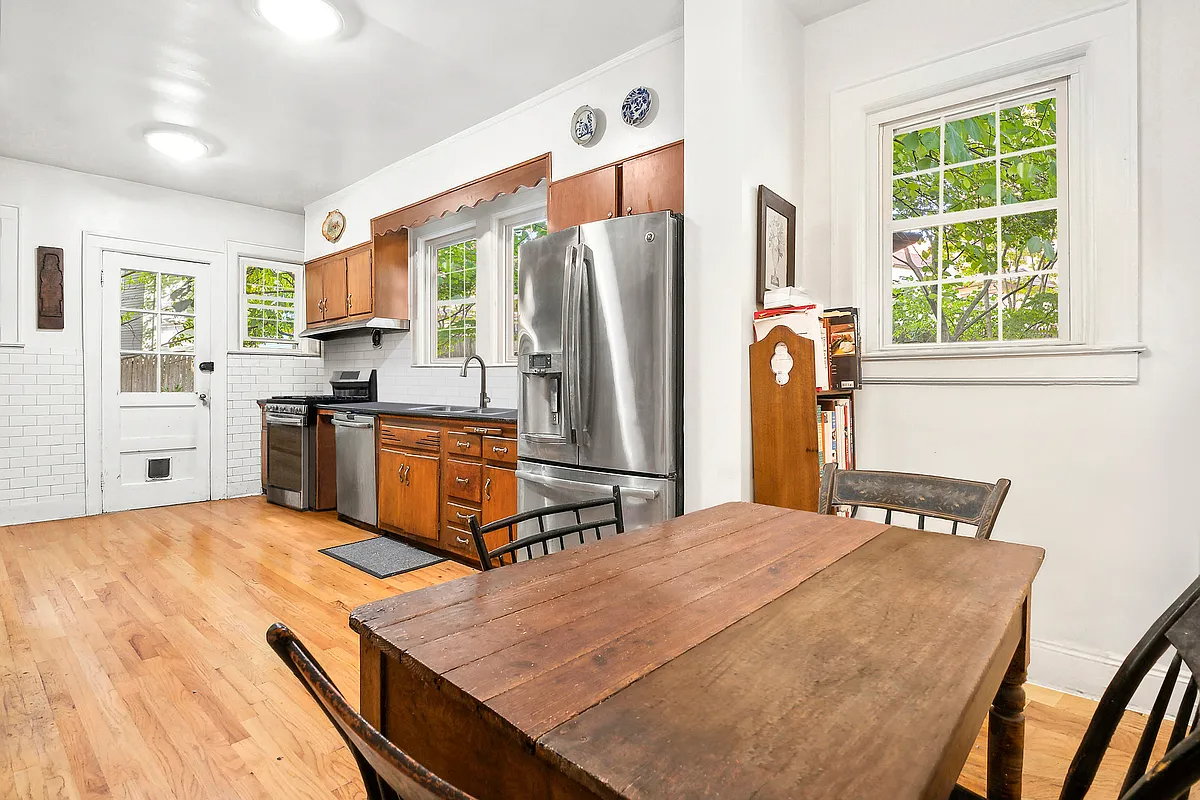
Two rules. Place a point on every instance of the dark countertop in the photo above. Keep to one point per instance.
(412, 410)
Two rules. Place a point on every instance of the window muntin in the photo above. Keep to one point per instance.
(978, 193)
(158, 331)
(270, 292)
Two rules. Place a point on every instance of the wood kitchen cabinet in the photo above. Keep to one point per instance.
(651, 181)
(359, 297)
(583, 198)
(345, 284)
(499, 493)
(326, 462)
(408, 493)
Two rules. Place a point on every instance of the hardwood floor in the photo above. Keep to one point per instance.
(133, 662)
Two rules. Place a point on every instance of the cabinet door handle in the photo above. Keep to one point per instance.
(487, 489)
(629, 210)
(462, 481)
(462, 516)
(610, 214)
(407, 469)
(499, 449)
(349, 301)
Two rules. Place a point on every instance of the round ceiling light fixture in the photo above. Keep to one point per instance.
(302, 20)
(178, 145)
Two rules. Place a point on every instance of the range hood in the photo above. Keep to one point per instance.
(355, 327)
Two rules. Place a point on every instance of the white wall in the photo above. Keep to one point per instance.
(42, 383)
(1097, 471)
(743, 116)
(539, 126)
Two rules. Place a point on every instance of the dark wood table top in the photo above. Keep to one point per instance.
(736, 651)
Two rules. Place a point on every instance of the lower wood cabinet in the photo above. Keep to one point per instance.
(435, 475)
(408, 492)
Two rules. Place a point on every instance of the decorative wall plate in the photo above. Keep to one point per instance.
(334, 225)
(636, 107)
(583, 125)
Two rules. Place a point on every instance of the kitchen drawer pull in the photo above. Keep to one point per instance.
(463, 445)
(461, 540)
(462, 481)
(499, 449)
(462, 516)
(496, 431)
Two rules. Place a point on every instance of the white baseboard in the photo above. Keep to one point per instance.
(1087, 672)
(243, 489)
(42, 511)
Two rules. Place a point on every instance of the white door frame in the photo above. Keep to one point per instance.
(94, 247)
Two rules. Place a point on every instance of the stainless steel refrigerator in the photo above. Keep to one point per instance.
(600, 332)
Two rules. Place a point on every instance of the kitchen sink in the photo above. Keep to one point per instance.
(464, 410)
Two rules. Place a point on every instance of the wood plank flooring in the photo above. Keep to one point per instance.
(133, 663)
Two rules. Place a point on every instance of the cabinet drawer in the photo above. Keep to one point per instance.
(459, 445)
(456, 515)
(500, 451)
(462, 480)
(408, 436)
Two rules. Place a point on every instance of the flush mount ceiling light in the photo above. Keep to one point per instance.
(176, 144)
(302, 20)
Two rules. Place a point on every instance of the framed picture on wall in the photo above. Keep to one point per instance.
(776, 243)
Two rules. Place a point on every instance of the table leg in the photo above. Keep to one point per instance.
(1006, 724)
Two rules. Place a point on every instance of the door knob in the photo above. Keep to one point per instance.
(203, 398)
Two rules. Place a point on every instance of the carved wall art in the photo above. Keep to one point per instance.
(50, 288)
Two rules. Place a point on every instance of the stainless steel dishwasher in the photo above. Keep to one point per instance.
(356, 493)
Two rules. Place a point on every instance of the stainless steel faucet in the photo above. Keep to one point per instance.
(483, 397)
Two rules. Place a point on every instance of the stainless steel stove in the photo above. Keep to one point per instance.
(291, 450)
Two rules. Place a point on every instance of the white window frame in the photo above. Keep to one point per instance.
(297, 270)
(10, 281)
(490, 224)
(1097, 50)
(503, 228)
(237, 254)
(941, 116)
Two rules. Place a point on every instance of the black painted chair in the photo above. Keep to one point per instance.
(923, 496)
(1179, 769)
(539, 543)
(387, 771)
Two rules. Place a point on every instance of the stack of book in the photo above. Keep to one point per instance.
(835, 432)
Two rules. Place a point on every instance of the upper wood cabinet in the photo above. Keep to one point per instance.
(648, 182)
(370, 279)
(653, 182)
(583, 198)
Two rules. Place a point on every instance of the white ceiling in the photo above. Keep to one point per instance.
(80, 80)
(809, 11)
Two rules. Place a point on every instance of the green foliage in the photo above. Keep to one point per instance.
(945, 277)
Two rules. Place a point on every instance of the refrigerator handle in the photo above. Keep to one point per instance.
(572, 326)
(563, 483)
(583, 343)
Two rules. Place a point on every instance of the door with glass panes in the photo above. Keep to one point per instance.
(155, 412)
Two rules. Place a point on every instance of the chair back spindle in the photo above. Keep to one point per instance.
(537, 544)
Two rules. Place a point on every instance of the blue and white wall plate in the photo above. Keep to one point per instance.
(583, 125)
(636, 107)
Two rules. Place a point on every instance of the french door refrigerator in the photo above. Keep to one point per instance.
(600, 356)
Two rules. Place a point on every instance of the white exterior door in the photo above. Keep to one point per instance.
(155, 333)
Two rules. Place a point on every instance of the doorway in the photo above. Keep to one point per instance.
(156, 331)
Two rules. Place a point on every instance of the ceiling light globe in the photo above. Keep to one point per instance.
(177, 144)
(302, 20)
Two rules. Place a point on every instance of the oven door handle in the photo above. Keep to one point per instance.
(291, 422)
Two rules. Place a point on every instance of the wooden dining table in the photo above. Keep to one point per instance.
(739, 651)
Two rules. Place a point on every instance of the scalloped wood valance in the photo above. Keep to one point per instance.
(507, 181)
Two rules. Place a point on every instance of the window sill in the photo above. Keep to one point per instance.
(284, 353)
(1038, 365)
(458, 365)
(12, 345)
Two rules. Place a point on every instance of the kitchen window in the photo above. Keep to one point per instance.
(976, 249)
(270, 317)
(468, 266)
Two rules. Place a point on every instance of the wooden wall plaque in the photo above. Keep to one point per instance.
(50, 288)
(783, 420)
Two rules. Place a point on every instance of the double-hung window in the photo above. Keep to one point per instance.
(976, 247)
(468, 269)
(271, 318)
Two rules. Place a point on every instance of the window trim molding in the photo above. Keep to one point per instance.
(1098, 50)
(426, 283)
(236, 253)
(10, 276)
